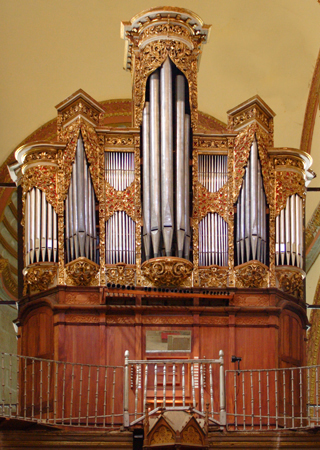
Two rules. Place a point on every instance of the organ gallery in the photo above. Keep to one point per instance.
(152, 227)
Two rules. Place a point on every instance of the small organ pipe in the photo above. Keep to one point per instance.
(27, 229)
(43, 226)
(288, 230)
(55, 237)
(180, 163)
(293, 229)
(155, 162)
(187, 184)
(37, 224)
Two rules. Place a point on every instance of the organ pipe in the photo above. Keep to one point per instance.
(40, 227)
(120, 241)
(155, 162)
(81, 234)
(289, 233)
(251, 223)
(166, 119)
(166, 143)
(213, 230)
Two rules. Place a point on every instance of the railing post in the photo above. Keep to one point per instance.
(126, 421)
(223, 415)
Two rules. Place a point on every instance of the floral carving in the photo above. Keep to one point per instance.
(286, 161)
(82, 271)
(167, 271)
(291, 282)
(91, 144)
(241, 154)
(287, 184)
(213, 276)
(43, 178)
(252, 275)
(120, 201)
(121, 274)
(39, 277)
(214, 202)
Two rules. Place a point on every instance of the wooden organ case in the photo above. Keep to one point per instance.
(168, 238)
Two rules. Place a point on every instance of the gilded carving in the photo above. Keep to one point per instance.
(150, 58)
(91, 144)
(288, 183)
(213, 276)
(121, 274)
(163, 435)
(241, 154)
(213, 202)
(288, 161)
(120, 201)
(117, 141)
(82, 272)
(39, 277)
(291, 281)
(252, 274)
(43, 178)
(167, 271)
(48, 154)
(254, 112)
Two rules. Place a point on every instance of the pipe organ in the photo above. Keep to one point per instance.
(206, 208)
(146, 219)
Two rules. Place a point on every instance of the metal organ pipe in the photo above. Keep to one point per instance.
(213, 230)
(146, 180)
(289, 227)
(251, 232)
(166, 139)
(40, 225)
(155, 162)
(180, 157)
(81, 233)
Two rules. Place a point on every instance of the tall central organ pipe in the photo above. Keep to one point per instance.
(166, 140)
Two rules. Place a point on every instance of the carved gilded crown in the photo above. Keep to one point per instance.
(156, 34)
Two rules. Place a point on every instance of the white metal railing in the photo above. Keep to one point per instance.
(174, 384)
(86, 395)
(61, 393)
(270, 399)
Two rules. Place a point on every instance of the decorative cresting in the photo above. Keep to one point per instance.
(291, 280)
(39, 277)
(252, 274)
(82, 272)
(167, 271)
(156, 34)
